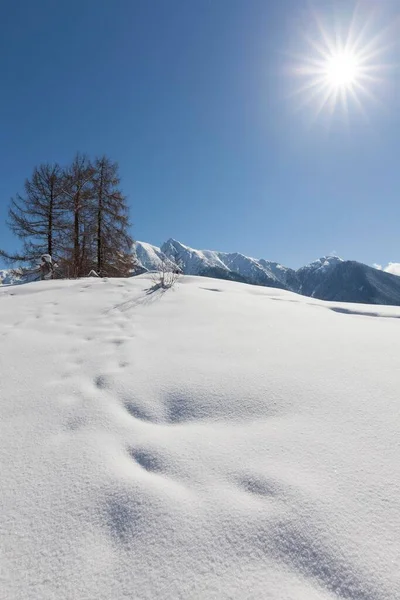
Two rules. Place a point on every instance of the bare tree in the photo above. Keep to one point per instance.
(37, 216)
(78, 194)
(167, 274)
(78, 215)
(114, 245)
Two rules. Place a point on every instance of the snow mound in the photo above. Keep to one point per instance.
(214, 441)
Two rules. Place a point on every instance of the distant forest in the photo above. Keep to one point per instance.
(77, 214)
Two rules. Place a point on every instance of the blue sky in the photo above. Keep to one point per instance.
(194, 99)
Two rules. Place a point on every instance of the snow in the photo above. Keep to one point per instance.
(16, 276)
(214, 441)
(195, 262)
(323, 264)
(7, 277)
(149, 257)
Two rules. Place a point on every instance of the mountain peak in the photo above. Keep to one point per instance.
(325, 262)
(174, 243)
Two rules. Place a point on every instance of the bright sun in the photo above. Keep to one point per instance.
(340, 67)
(342, 70)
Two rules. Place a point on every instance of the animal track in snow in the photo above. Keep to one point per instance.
(125, 517)
(258, 486)
(180, 409)
(177, 409)
(136, 411)
(118, 341)
(147, 460)
(102, 382)
(304, 551)
(75, 423)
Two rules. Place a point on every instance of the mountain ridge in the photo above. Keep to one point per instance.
(327, 278)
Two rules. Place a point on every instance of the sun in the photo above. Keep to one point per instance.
(341, 65)
(343, 70)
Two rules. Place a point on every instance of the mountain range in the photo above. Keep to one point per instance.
(328, 278)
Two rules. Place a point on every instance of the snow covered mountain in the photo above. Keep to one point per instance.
(4, 274)
(149, 257)
(201, 262)
(12, 277)
(351, 281)
(217, 441)
(311, 276)
(328, 278)
(8, 277)
(210, 263)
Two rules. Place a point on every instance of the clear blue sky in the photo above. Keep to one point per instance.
(192, 98)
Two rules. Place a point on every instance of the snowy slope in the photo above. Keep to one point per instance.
(216, 441)
(201, 262)
(252, 269)
(328, 278)
(149, 257)
(193, 261)
(187, 260)
(210, 262)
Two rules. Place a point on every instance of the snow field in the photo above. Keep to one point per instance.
(216, 440)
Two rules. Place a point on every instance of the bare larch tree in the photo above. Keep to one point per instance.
(114, 256)
(37, 216)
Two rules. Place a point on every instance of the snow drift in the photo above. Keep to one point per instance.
(213, 441)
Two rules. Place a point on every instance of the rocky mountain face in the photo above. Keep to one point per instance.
(351, 281)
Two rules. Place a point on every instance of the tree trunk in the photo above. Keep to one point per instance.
(100, 223)
(50, 225)
(76, 236)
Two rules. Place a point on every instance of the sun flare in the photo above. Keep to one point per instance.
(341, 66)
(342, 70)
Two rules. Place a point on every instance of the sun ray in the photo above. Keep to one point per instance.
(359, 104)
(356, 38)
(309, 86)
(314, 92)
(362, 89)
(326, 98)
(344, 65)
(344, 98)
(327, 42)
